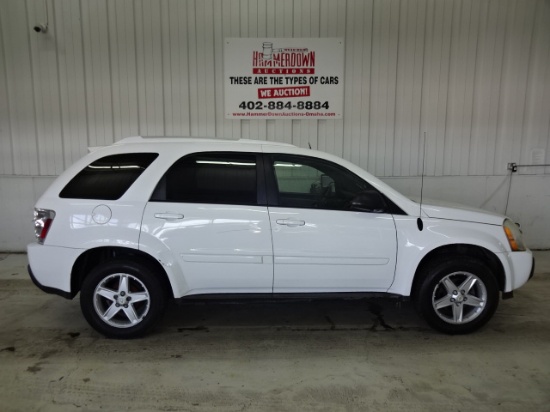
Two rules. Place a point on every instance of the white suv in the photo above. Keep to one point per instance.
(148, 219)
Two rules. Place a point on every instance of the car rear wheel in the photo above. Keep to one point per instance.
(122, 299)
(458, 296)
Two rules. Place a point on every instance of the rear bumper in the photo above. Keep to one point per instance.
(50, 268)
(47, 289)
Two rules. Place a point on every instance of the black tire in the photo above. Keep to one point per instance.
(460, 310)
(122, 299)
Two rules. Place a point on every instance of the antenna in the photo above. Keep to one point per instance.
(419, 222)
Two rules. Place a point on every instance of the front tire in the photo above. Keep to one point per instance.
(457, 296)
(122, 299)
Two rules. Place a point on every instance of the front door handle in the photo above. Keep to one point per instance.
(291, 222)
(169, 216)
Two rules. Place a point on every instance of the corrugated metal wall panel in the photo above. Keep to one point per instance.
(459, 99)
(97, 71)
(46, 98)
(409, 88)
(474, 75)
(357, 76)
(148, 27)
(436, 82)
(72, 85)
(517, 48)
(487, 86)
(6, 152)
(21, 88)
(123, 59)
(332, 23)
(536, 123)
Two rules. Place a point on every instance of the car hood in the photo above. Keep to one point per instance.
(453, 211)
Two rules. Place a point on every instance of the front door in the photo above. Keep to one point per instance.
(320, 244)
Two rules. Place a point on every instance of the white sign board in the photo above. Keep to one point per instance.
(278, 78)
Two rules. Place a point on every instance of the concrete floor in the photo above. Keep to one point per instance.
(322, 356)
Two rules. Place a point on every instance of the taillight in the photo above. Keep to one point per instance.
(43, 219)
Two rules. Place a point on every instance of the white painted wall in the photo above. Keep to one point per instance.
(473, 74)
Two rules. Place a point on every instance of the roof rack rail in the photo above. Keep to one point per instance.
(157, 139)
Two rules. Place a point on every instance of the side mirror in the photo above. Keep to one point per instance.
(370, 201)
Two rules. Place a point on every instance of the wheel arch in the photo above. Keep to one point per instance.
(458, 250)
(94, 257)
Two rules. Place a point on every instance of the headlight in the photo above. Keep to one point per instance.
(513, 233)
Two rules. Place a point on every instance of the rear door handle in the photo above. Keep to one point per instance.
(169, 216)
(291, 222)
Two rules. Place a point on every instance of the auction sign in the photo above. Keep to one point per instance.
(277, 78)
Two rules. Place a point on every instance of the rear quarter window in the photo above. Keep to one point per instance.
(108, 178)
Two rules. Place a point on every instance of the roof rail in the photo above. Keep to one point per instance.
(156, 139)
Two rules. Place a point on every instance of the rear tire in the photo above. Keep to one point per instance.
(122, 299)
(457, 296)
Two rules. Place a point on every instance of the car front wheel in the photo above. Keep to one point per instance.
(458, 296)
(122, 299)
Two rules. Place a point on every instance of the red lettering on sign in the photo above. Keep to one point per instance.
(287, 71)
(283, 92)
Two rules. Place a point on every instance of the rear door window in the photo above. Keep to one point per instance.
(108, 178)
(220, 178)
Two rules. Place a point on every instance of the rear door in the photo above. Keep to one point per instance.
(209, 211)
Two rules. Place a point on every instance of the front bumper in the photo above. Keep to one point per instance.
(510, 294)
(521, 269)
(532, 269)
